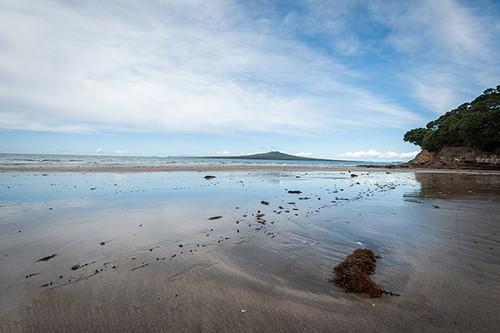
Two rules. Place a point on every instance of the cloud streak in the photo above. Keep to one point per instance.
(169, 66)
(371, 154)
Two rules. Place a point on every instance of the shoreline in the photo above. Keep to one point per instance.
(236, 168)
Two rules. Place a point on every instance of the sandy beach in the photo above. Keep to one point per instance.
(171, 251)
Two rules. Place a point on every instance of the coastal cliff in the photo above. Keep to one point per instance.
(456, 158)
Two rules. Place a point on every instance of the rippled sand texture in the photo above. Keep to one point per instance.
(139, 252)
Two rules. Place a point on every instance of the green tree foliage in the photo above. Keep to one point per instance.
(475, 124)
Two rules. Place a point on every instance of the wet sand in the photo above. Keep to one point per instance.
(148, 258)
(230, 168)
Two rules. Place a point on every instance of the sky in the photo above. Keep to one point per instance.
(331, 79)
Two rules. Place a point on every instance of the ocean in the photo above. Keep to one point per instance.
(48, 160)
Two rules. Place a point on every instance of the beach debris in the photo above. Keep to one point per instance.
(47, 258)
(264, 202)
(353, 274)
(78, 266)
(294, 192)
(215, 217)
(31, 275)
(388, 292)
(135, 268)
(208, 177)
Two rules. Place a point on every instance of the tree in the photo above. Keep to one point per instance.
(475, 124)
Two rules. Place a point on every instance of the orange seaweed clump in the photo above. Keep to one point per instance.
(353, 274)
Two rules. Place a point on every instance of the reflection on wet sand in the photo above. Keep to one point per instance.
(141, 252)
(456, 185)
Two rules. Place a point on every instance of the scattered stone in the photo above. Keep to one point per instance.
(215, 217)
(294, 192)
(93, 188)
(264, 202)
(102, 243)
(436, 206)
(208, 177)
(47, 258)
(353, 274)
(354, 175)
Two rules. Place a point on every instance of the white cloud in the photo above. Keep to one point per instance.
(120, 151)
(172, 66)
(450, 49)
(304, 154)
(98, 150)
(373, 154)
(224, 152)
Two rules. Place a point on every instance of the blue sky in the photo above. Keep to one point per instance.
(335, 79)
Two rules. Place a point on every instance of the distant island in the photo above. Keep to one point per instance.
(272, 156)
